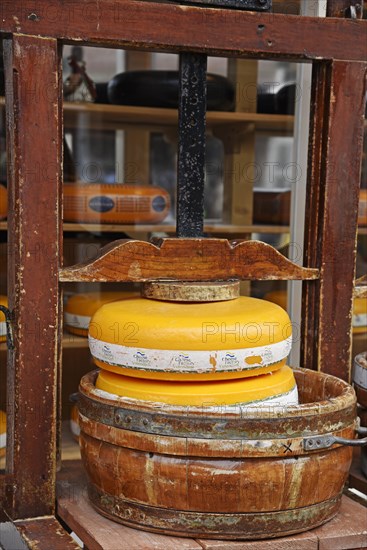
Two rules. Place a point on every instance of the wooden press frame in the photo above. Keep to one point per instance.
(34, 33)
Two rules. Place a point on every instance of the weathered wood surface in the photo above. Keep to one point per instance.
(34, 145)
(45, 534)
(187, 260)
(223, 32)
(143, 470)
(99, 533)
(331, 214)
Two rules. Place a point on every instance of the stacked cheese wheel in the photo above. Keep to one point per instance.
(359, 317)
(115, 203)
(80, 308)
(194, 354)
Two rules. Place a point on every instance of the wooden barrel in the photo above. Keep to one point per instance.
(227, 474)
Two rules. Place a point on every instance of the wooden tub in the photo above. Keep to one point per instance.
(231, 474)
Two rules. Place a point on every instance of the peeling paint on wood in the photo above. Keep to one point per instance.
(34, 259)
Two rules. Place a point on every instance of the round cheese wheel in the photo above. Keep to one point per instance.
(3, 202)
(359, 319)
(278, 388)
(277, 297)
(3, 302)
(2, 433)
(80, 308)
(74, 422)
(190, 341)
(115, 203)
(362, 209)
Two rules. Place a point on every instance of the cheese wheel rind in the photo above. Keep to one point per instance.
(257, 390)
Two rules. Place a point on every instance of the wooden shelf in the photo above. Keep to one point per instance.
(114, 117)
(98, 116)
(347, 530)
(70, 341)
(210, 227)
(171, 228)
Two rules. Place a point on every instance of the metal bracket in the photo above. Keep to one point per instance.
(9, 328)
(248, 5)
(317, 442)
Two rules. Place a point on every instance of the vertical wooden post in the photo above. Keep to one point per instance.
(34, 124)
(336, 140)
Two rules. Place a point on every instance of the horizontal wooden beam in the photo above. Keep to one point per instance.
(123, 24)
(186, 260)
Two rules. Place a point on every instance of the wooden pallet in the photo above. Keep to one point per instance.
(347, 531)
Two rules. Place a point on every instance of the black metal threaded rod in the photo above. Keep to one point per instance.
(191, 145)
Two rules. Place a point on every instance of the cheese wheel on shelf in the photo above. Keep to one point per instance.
(278, 388)
(362, 208)
(359, 319)
(2, 433)
(190, 341)
(278, 297)
(115, 203)
(3, 202)
(3, 302)
(80, 308)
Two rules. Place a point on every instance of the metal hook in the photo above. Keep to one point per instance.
(9, 328)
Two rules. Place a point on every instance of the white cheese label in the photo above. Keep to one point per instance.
(184, 361)
(76, 321)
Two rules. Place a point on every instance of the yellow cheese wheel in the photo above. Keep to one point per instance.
(277, 297)
(3, 202)
(80, 308)
(115, 203)
(3, 302)
(359, 319)
(267, 389)
(2, 433)
(359, 315)
(190, 341)
(362, 209)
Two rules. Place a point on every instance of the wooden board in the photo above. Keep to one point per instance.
(209, 227)
(347, 531)
(44, 534)
(213, 31)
